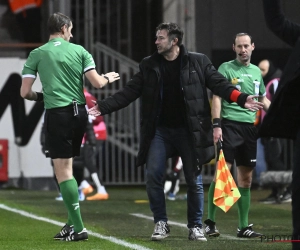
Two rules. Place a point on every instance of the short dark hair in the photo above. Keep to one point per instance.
(56, 21)
(242, 34)
(174, 31)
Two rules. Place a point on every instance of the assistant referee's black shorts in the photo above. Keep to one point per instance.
(239, 142)
(64, 131)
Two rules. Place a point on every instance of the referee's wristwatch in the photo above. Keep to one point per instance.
(106, 79)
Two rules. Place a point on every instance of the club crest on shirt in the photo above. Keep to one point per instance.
(236, 80)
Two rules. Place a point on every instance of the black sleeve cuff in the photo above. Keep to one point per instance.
(241, 100)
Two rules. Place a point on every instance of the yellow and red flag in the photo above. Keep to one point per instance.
(226, 192)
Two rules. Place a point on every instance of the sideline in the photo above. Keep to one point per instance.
(174, 223)
(109, 238)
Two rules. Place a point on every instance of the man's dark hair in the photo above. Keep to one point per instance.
(242, 34)
(174, 31)
(56, 21)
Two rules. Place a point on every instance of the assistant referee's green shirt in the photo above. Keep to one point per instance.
(60, 65)
(246, 79)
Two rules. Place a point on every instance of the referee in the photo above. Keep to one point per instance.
(61, 65)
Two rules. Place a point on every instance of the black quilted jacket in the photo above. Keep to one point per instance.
(197, 74)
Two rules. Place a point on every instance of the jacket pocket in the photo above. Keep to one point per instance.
(205, 138)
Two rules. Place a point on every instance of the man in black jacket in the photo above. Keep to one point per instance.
(175, 120)
(283, 119)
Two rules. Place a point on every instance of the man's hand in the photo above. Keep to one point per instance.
(94, 111)
(217, 134)
(112, 76)
(252, 104)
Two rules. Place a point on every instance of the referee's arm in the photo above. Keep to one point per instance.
(99, 81)
(26, 89)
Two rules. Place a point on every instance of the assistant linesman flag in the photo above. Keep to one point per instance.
(226, 192)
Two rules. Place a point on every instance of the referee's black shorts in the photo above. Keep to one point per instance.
(64, 131)
(239, 142)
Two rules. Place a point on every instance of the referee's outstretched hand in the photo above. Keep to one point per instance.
(112, 76)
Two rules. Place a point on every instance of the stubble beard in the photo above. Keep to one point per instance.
(166, 52)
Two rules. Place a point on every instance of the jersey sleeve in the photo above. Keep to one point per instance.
(88, 61)
(31, 65)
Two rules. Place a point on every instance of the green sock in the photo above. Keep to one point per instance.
(212, 208)
(243, 207)
(69, 192)
(69, 222)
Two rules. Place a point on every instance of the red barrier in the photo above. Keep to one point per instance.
(3, 160)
